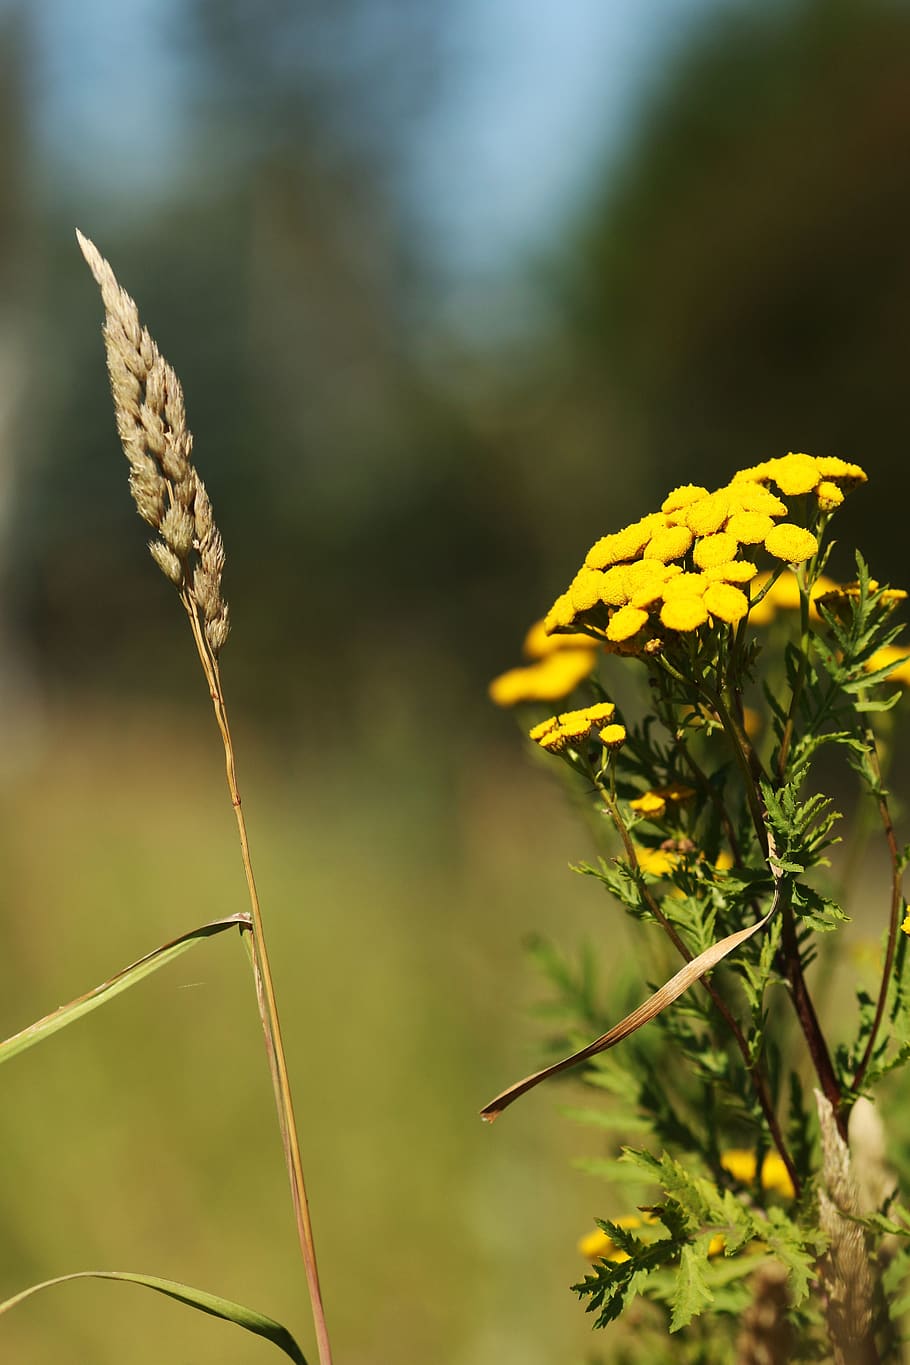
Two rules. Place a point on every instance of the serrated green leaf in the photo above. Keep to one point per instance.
(213, 1304)
(691, 1294)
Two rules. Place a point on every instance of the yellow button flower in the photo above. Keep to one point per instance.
(791, 543)
(651, 804)
(846, 474)
(749, 528)
(624, 544)
(713, 550)
(829, 495)
(683, 496)
(671, 543)
(612, 736)
(686, 612)
(557, 733)
(585, 589)
(708, 514)
(726, 602)
(560, 615)
(755, 497)
(625, 623)
(795, 474)
(734, 571)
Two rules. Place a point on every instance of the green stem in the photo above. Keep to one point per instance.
(268, 1006)
(756, 1075)
(897, 900)
(799, 991)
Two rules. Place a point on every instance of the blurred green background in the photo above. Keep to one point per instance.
(452, 290)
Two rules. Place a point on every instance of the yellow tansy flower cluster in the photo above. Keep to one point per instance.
(684, 567)
(572, 728)
(559, 664)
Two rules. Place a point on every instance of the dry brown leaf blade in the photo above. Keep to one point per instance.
(670, 991)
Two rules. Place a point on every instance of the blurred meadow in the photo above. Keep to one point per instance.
(452, 290)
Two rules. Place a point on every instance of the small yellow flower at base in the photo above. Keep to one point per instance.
(651, 805)
(897, 655)
(791, 543)
(740, 1163)
(905, 927)
(657, 862)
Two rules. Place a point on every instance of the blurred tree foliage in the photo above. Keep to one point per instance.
(742, 287)
(394, 506)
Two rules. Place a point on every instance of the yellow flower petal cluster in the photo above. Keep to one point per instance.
(797, 474)
(559, 664)
(558, 733)
(740, 1163)
(681, 568)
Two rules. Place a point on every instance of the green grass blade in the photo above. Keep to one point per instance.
(247, 1318)
(129, 976)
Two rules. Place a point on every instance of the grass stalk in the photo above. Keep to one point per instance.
(268, 1004)
(171, 498)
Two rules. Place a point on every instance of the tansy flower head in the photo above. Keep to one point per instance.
(558, 733)
(791, 543)
(639, 585)
(612, 736)
(626, 622)
(685, 612)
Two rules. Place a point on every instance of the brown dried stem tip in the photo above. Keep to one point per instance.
(151, 422)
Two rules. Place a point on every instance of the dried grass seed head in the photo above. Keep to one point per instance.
(151, 422)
